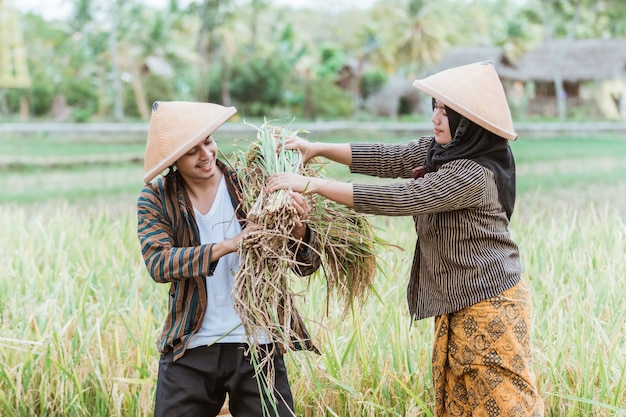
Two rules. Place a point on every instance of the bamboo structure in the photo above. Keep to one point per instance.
(13, 66)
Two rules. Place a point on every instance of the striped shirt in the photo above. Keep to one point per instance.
(464, 252)
(170, 246)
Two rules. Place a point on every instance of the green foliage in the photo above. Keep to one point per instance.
(331, 60)
(40, 97)
(615, 16)
(156, 88)
(372, 82)
(130, 104)
(320, 99)
(43, 63)
(159, 88)
(72, 58)
(257, 84)
(329, 101)
(82, 96)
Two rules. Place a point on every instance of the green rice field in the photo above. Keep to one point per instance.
(80, 315)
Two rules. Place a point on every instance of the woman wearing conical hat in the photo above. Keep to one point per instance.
(466, 271)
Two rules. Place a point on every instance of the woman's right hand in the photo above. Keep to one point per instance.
(338, 152)
(305, 147)
(289, 181)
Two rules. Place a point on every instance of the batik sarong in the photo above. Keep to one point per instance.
(482, 359)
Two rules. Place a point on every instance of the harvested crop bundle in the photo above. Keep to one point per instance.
(263, 296)
(262, 287)
(348, 243)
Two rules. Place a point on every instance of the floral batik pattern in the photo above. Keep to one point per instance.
(482, 360)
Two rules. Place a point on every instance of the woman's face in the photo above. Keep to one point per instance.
(440, 124)
(199, 162)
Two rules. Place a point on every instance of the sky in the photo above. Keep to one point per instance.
(51, 9)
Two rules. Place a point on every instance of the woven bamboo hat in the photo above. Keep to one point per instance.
(474, 91)
(175, 128)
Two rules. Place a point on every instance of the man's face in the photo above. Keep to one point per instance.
(199, 162)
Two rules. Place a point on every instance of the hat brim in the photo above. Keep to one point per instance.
(464, 111)
(192, 141)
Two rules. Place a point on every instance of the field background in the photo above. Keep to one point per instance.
(79, 314)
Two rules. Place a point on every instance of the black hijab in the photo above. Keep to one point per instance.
(476, 143)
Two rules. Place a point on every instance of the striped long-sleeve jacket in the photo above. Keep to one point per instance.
(464, 252)
(170, 245)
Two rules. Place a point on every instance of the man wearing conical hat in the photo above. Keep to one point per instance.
(189, 226)
(459, 188)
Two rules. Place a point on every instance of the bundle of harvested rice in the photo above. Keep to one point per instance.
(348, 243)
(263, 298)
(262, 287)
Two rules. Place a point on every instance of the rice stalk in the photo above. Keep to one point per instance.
(348, 241)
(262, 287)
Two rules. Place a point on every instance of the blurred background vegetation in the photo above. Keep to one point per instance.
(107, 60)
(73, 279)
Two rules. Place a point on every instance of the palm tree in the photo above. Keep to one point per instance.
(410, 34)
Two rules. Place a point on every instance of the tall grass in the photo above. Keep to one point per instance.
(575, 261)
(79, 314)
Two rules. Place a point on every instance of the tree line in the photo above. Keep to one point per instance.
(110, 59)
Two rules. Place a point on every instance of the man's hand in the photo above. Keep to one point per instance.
(303, 209)
(232, 244)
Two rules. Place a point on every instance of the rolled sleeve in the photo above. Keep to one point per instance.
(456, 185)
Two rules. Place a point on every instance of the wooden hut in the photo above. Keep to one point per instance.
(593, 72)
(400, 97)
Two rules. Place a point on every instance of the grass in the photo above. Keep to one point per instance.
(80, 314)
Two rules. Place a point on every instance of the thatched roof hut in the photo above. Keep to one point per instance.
(577, 61)
(593, 72)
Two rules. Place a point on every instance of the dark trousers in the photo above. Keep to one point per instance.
(197, 384)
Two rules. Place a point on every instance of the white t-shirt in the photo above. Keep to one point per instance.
(221, 324)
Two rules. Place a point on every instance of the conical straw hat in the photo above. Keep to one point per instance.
(474, 91)
(175, 128)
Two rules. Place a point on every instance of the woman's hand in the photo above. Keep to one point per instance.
(338, 152)
(288, 181)
(304, 146)
(295, 184)
(341, 192)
